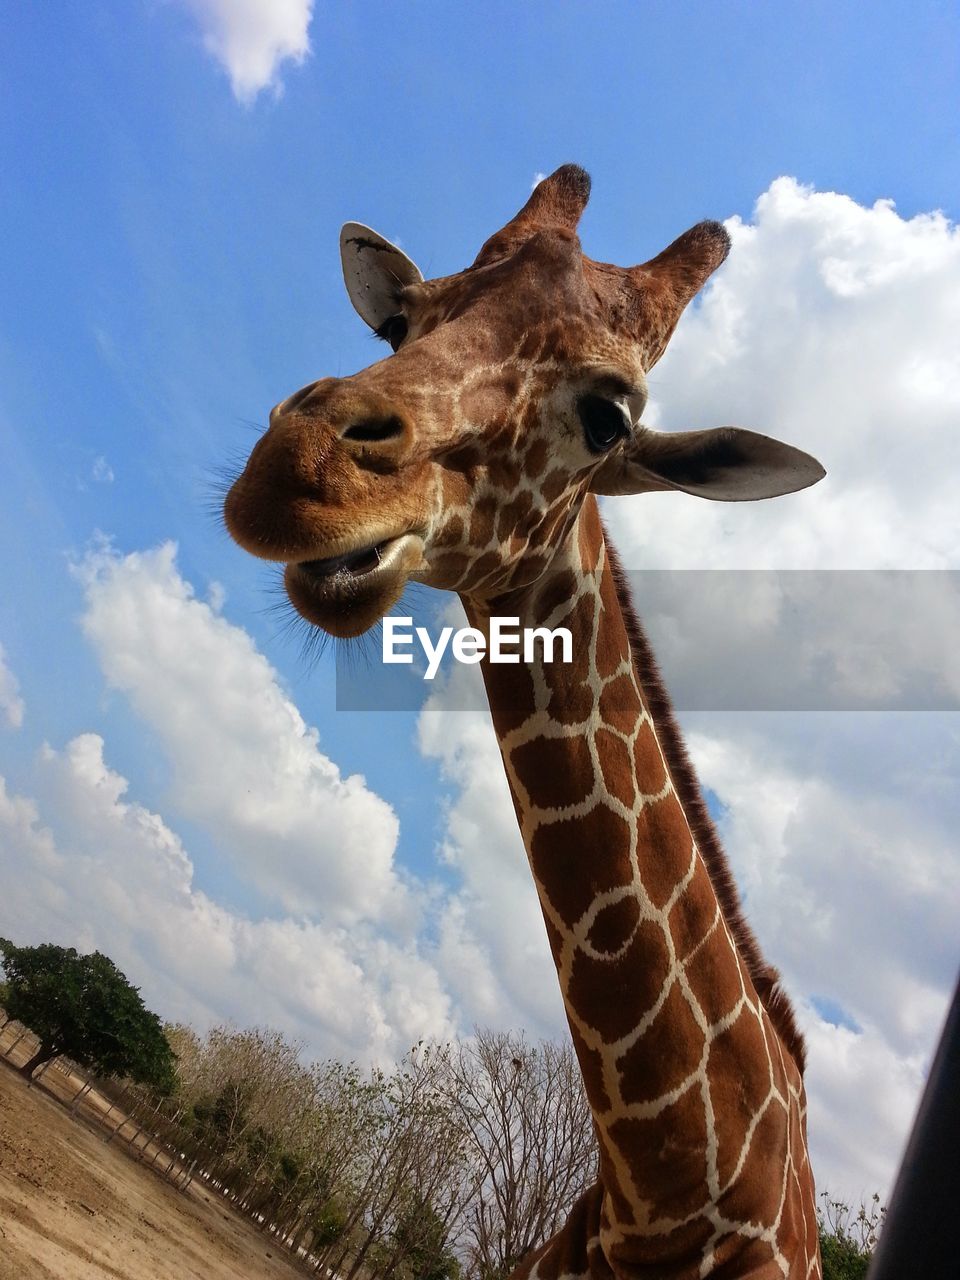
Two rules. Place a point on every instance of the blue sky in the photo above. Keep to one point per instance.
(169, 255)
(169, 270)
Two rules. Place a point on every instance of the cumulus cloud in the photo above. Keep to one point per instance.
(842, 838)
(862, 1096)
(11, 704)
(244, 764)
(252, 39)
(830, 326)
(336, 958)
(87, 866)
(805, 641)
(850, 871)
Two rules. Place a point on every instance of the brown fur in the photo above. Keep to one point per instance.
(764, 976)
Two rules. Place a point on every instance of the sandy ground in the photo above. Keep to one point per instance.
(73, 1208)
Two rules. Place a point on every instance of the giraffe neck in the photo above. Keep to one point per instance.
(686, 1076)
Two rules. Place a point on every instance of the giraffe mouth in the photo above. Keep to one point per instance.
(355, 563)
(347, 593)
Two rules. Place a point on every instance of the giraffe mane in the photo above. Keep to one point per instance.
(764, 976)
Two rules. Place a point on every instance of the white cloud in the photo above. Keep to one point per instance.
(11, 704)
(848, 865)
(252, 39)
(830, 326)
(852, 883)
(12, 707)
(244, 764)
(821, 640)
(84, 865)
(862, 1096)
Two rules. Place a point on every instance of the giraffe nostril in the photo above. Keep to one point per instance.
(374, 430)
(296, 401)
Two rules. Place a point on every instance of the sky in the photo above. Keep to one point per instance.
(179, 788)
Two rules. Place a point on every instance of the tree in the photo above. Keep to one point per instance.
(83, 1006)
(848, 1237)
(420, 1241)
(530, 1129)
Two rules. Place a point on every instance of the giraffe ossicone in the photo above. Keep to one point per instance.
(471, 460)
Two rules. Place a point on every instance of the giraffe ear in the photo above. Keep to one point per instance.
(727, 464)
(374, 271)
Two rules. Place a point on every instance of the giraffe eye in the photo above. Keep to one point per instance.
(393, 330)
(604, 422)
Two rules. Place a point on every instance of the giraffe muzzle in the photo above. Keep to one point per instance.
(347, 593)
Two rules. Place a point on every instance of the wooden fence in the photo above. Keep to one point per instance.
(144, 1132)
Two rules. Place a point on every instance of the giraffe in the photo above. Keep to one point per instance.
(471, 459)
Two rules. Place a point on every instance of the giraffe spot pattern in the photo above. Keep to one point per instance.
(614, 926)
(615, 766)
(615, 997)
(693, 1099)
(562, 846)
(668, 1055)
(547, 765)
(666, 1155)
(711, 970)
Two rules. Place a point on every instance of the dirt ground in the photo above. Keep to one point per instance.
(74, 1208)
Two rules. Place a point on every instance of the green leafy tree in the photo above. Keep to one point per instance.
(842, 1260)
(83, 1006)
(327, 1225)
(420, 1240)
(848, 1237)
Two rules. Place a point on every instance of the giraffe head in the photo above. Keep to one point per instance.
(515, 388)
